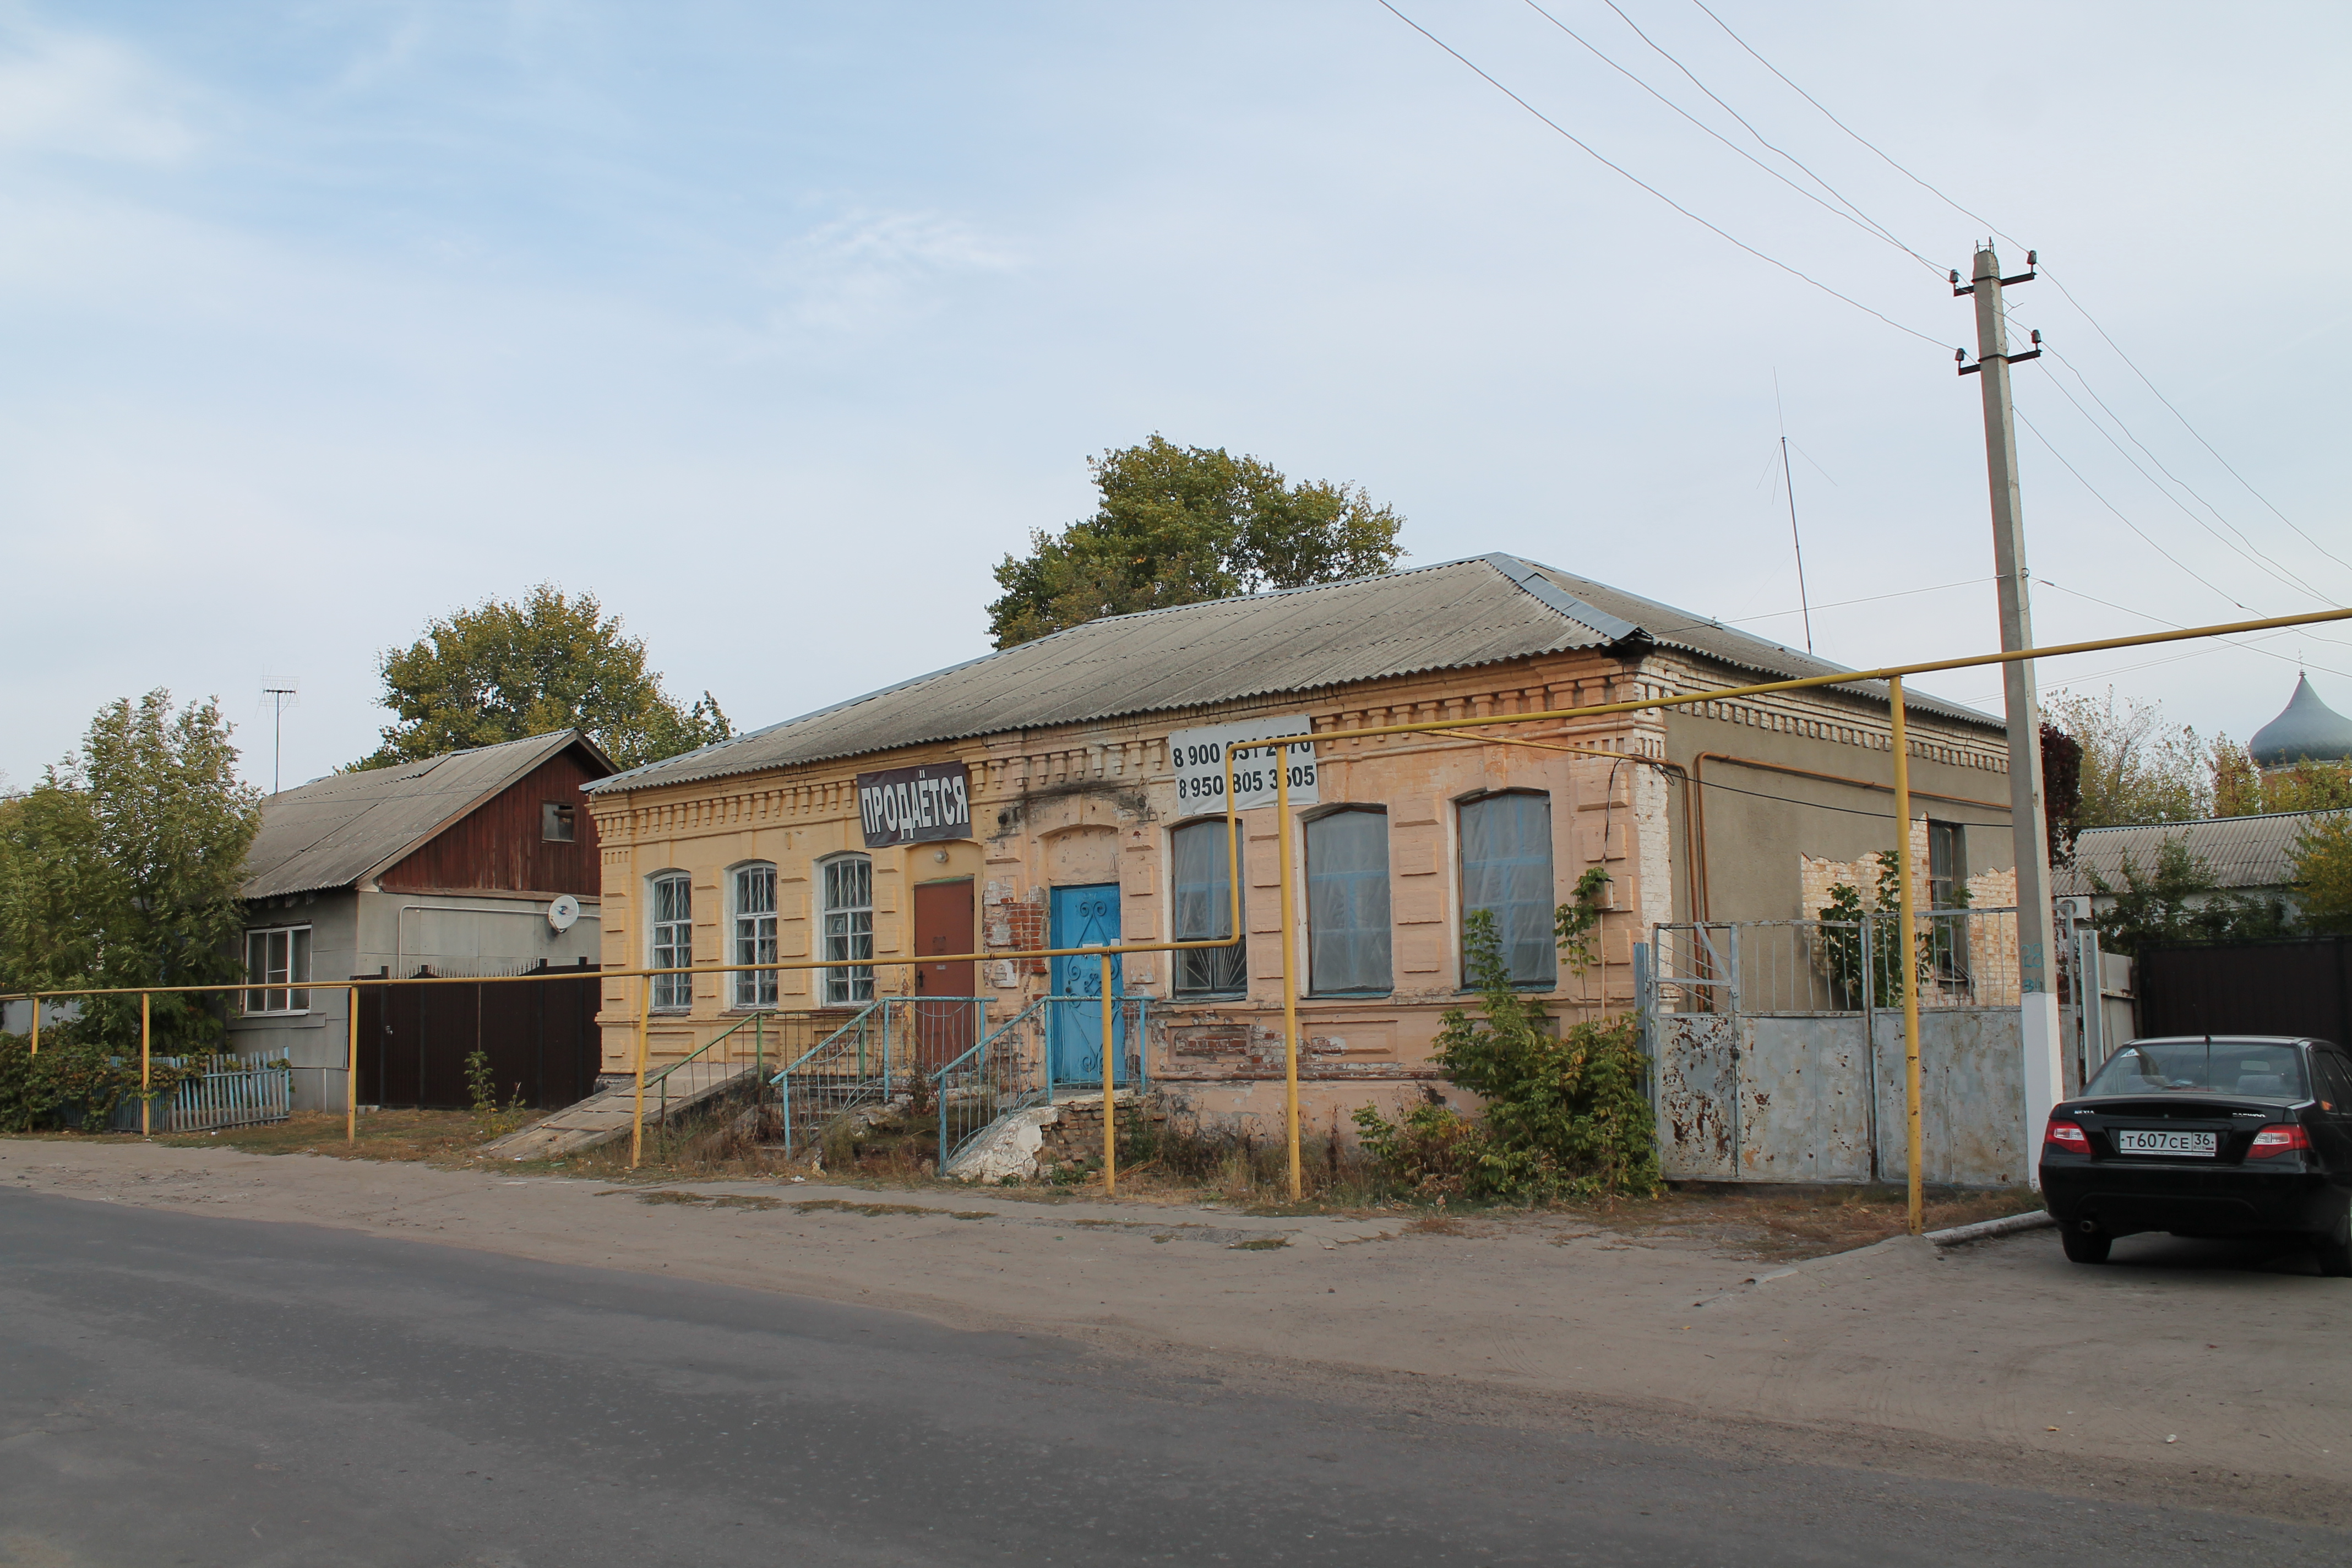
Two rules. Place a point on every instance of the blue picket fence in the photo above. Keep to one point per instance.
(212, 1101)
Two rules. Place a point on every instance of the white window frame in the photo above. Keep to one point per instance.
(753, 933)
(670, 944)
(846, 929)
(276, 983)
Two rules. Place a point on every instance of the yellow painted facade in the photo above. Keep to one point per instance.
(1095, 803)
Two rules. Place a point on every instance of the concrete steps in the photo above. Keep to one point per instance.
(606, 1115)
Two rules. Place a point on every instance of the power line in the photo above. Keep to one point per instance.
(2175, 626)
(2256, 557)
(2128, 523)
(2168, 473)
(1985, 223)
(2187, 426)
(1833, 604)
(1588, 150)
(2083, 310)
(1859, 219)
(1885, 233)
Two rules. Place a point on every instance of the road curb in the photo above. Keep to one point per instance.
(1985, 1229)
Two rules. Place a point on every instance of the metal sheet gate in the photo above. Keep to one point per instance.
(541, 1038)
(1760, 1074)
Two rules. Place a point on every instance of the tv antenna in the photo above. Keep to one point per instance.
(279, 696)
(1788, 486)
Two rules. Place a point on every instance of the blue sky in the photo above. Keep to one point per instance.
(775, 325)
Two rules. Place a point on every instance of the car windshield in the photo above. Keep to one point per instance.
(2262, 1068)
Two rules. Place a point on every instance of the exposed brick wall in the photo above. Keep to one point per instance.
(1013, 922)
(1992, 940)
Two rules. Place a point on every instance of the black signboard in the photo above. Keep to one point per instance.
(907, 806)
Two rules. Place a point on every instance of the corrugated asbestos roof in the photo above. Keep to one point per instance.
(1455, 615)
(2241, 851)
(334, 831)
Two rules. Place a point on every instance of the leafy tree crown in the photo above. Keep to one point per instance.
(1178, 525)
(503, 671)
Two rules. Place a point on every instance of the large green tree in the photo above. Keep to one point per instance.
(124, 866)
(2323, 872)
(500, 671)
(2136, 765)
(1177, 525)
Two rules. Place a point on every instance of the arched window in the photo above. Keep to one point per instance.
(848, 887)
(1507, 868)
(1204, 912)
(669, 939)
(755, 934)
(1348, 902)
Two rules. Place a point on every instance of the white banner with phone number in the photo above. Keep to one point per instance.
(1200, 758)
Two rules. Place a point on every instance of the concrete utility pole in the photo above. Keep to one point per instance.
(2036, 942)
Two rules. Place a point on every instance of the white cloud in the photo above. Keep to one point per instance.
(869, 268)
(82, 94)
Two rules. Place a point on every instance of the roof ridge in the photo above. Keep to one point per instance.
(2206, 821)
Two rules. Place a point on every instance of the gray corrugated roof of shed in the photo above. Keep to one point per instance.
(1456, 615)
(2241, 851)
(331, 832)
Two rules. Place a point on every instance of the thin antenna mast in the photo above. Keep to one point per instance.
(1789, 484)
(278, 696)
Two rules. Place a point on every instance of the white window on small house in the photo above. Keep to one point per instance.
(755, 935)
(1947, 889)
(1348, 902)
(848, 930)
(1507, 868)
(1202, 854)
(555, 822)
(277, 963)
(670, 935)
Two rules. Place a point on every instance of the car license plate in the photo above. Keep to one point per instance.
(2146, 1140)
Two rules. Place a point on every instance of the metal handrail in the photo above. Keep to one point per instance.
(979, 1050)
(856, 1019)
(782, 1080)
(755, 1022)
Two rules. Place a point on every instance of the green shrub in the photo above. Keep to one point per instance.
(78, 1079)
(1566, 1113)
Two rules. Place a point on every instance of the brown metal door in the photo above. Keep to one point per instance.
(943, 923)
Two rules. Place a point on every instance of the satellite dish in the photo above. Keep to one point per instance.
(564, 912)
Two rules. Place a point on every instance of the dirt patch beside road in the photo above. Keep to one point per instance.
(2191, 1377)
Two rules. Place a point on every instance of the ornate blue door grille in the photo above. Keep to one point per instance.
(1084, 917)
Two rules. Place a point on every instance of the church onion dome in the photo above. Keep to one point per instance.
(2307, 728)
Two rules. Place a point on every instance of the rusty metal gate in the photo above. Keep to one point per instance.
(1777, 1050)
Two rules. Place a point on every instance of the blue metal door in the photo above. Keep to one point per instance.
(1084, 917)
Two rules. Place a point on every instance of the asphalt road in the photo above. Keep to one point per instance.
(177, 1389)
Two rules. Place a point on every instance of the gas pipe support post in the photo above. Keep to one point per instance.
(637, 1115)
(1289, 981)
(352, 1071)
(1110, 1097)
(146, 1105)
(1909, 976)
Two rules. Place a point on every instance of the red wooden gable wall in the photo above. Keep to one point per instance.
(498, 845)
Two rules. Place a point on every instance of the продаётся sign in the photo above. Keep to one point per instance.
(908, 806)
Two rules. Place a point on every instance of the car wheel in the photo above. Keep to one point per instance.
(2085, 1245)
(2334, 1250)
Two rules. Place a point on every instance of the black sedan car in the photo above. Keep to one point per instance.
(2214, 1135)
